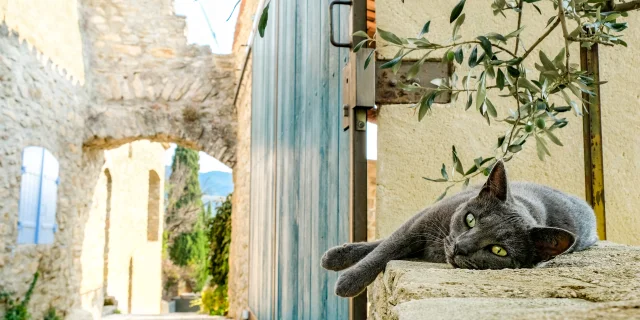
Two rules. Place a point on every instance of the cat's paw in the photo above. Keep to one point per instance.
(350, 284)
(337, 258)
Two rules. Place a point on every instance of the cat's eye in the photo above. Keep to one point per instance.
(499, 251)
(470, 220)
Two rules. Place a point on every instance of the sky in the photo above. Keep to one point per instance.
(198, 32)
(217, 12)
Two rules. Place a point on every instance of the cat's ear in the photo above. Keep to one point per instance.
(550, 242)
(497, 186)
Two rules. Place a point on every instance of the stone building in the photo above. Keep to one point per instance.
(122, 248)
(78, 78)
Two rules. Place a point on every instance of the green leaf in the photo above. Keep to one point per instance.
(459, 55)
(500, 79)
(471, 170)
(491, 108)
(486, 45)
(359, 45)
(444, 194)
(472, 58)
(415, 68)
(513, 71)
(482, 91)
(514, 148)
(389, 36)
(443, 172)
(501, 140)
(368, 60)
(497, 37)
(562, 109)
(264, 17)
(425, 104)
(540, 12)
(456, 161)
(457, 25)
(553, 138)
(361, 34)
(514, 33)
(526, 83)
(617, 27)
(548, 65)
(469, 102)
(434, 180)
(455, 13)
(466, 183)
(553, 18)
(425, 29)
(541, 148)
(389, 64)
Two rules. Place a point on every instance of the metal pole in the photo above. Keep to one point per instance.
(592, 133)
(358, 197)
(358, 158)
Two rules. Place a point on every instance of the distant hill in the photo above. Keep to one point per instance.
(215, 185)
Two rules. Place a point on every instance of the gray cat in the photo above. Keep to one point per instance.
(494, 226)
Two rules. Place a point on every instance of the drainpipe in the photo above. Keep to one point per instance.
(248, 48)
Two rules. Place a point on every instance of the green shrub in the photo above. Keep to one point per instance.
(52, 314)
(18, 310)
(214, 301)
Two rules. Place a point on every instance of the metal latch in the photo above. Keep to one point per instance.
(358, 89)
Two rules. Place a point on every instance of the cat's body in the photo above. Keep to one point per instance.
(494, 226)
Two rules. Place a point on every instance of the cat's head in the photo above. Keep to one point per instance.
(489, 232)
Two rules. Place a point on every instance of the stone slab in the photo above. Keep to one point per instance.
(495, 308)
(606, 273)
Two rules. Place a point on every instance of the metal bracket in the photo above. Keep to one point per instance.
(388, 90)
(359, 88)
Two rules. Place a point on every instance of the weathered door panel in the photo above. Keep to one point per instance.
(308, 183)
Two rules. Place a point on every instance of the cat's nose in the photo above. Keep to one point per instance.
(459, 251)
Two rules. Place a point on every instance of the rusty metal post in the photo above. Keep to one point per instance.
(592, 133)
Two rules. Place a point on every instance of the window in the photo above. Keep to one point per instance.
(38, 196)
(153, 207)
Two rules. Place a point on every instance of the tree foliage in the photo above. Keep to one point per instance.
(495, 62)
(185, 232)
(220, 240)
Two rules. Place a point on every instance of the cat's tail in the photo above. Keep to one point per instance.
(344, 256)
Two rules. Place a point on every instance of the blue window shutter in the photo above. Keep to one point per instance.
(32, 161)
(48, 199)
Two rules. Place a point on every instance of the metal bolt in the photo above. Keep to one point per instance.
(361, 124)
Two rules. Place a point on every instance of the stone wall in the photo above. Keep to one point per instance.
(151, 85)
(239, 255)
(409, 150)
(598, 283)
(239, 251)
(372, 186)
(167, 92)
(39, 107)
(121, 197)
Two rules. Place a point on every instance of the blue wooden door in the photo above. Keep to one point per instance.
(299, 162)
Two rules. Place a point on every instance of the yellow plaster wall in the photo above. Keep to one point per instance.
(52, 27)
(127, 232)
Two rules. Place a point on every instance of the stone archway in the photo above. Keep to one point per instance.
(146, 83)
(149, 84)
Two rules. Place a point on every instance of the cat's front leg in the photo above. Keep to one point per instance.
(355, 280)
(344, 256)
